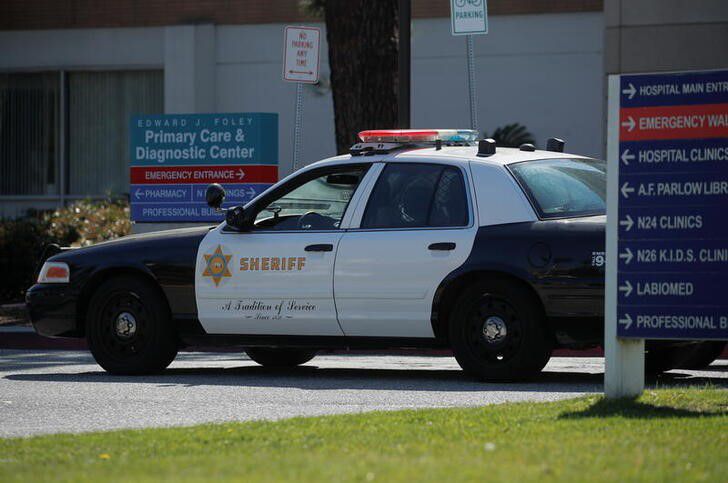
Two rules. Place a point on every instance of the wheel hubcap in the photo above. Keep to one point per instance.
(494, 329)
(125, 325)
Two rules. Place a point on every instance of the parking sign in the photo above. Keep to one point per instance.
(469, 17)
(301, 54)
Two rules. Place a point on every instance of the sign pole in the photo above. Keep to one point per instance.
(298, 126)
(624, 359)
(470, 18)
(301, 63)
(471, 83)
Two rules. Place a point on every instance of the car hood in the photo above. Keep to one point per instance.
(156, 236)
(156, 240)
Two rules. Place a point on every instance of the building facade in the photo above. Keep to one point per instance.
(72, 73)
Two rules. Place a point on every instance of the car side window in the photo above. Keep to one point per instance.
(315, 204)
(416, 196)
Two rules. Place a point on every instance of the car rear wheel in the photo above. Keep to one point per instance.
(129, 328)
(280, 357)
(497, 332)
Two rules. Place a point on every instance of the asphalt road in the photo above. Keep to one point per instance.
(65, 391)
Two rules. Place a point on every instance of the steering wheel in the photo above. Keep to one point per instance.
(313, 220)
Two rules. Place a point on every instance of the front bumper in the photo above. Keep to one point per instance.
(52, 310)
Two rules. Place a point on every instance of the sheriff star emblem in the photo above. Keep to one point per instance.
(217, 265)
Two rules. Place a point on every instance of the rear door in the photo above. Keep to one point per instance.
(415, 228)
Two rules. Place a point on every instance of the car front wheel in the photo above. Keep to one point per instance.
(129, 328)
(497, 332)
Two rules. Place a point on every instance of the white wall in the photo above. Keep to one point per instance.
(544, 71)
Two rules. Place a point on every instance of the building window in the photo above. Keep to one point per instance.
(66, 134)
(29, 134)
(99, 107)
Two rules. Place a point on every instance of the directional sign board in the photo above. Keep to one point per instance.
(175, 157)
(468, 17)
(301, 46)
(668, 205)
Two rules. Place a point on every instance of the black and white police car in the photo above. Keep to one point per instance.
(418, 238)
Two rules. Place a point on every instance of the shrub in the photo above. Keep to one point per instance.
(80, 224)
(87, 222)
(21, 243)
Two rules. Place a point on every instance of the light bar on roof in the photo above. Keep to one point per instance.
(418, 135)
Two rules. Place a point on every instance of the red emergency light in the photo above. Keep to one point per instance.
(417, 135)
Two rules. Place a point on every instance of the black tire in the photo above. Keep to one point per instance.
(478, 342)
(702, 355)
(268, 357)
(661, 358)
(148, 342)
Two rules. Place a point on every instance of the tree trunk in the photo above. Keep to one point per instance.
(362, 37)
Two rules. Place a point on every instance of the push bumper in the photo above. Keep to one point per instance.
(52, 310)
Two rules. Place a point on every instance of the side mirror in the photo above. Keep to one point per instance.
(215, 195)
(235, 218)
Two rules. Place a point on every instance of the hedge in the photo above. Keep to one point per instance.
(22, 240)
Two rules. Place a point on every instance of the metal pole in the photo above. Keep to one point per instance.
(471, 82)
(404, 63)
(298, 126)
(62, 129)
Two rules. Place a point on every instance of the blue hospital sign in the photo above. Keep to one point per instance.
(671, 217)
(175, 156)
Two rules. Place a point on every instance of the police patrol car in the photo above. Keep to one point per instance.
(417, 238)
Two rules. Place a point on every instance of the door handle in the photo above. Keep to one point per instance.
(442, 246)
(322, 247)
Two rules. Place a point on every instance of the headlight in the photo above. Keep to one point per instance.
(54, 272)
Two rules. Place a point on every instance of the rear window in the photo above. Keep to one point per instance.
(561, 188)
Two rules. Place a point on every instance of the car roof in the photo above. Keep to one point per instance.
(453, 154)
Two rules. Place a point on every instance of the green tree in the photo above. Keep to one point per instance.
(363, 46)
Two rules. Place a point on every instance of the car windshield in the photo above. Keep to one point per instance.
(564, 187)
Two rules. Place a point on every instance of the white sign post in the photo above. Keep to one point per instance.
(301, 61)
(624, 359)
(470, 17)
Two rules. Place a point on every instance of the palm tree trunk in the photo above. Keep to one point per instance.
(362, 37)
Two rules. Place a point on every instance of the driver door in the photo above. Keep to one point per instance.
(277, 278)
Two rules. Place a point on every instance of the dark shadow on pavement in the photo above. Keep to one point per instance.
(314, 378)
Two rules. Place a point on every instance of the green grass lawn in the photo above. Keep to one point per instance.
(667, 435)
